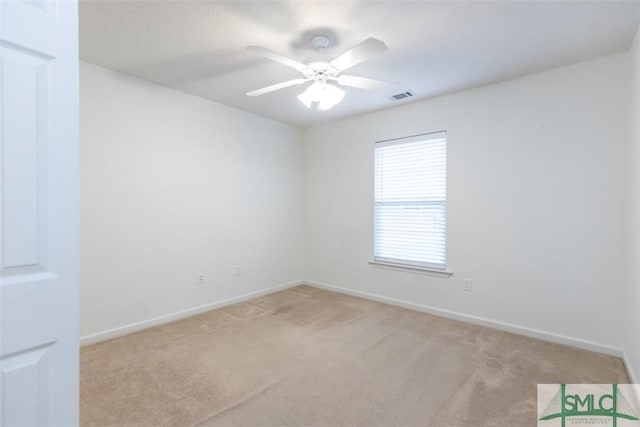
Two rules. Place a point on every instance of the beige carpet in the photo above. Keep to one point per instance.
(306, 356)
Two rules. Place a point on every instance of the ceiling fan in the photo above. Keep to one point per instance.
(321, 93)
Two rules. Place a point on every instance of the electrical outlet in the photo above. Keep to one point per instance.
(238, 270)
(200, 279)
(468, 285)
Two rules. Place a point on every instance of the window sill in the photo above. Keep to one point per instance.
(411, 269)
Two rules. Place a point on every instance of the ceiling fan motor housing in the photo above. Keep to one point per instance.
(320, 71)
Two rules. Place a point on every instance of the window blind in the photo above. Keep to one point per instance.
(410, 201)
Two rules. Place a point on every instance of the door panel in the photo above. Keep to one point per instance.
(30, 376)
(38, 213)
(26, 83)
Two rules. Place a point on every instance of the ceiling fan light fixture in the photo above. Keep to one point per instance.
(332, 95)
(324, 95)
(311, 94)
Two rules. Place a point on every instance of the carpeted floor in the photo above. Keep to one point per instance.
(306, 356)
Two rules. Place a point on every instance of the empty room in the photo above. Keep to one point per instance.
(319, 213)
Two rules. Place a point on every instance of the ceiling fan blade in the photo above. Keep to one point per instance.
(276, 86)
(359, 53)
(275, 56)
(365, 83)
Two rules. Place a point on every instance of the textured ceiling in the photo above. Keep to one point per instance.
(435, 48)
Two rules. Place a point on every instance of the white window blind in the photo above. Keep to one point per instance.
(410, 201)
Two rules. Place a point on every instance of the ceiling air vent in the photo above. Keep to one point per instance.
(402, 95)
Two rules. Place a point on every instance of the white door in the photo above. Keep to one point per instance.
(38, 213)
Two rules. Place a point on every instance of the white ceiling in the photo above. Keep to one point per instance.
(435, 48)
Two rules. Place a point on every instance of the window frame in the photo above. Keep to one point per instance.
(408, 265)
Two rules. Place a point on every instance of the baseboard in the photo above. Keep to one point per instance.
(633, 375)
(138, 326)
(503, 326)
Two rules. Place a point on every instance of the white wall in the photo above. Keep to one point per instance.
(631, 292)
(536, 190)
(173, 185)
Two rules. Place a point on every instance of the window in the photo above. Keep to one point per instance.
(411, 200)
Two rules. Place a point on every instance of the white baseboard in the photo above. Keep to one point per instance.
(503, 326)
(138, 326)
(633, 375)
